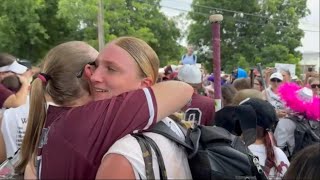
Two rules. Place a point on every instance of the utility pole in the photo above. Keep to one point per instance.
(215, 21)
(101, 25)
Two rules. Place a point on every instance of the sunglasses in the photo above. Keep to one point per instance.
(80, 73)
(275, 80)
(315, 85)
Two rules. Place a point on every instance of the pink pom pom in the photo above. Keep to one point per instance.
(313, 111)
(288, 92)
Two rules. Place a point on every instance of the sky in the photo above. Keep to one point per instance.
(310, 42)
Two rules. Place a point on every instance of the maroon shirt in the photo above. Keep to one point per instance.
(77, 138)
(201, 110)
(4, 94)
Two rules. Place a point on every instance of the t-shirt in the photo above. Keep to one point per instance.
(4, 94)
(186, 59)
(201, 110)
(14, 125)
(174, 156)
(74, 140)
(281, 160)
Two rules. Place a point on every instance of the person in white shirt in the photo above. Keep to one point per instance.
(115, 74)
(13, 127)
(271, 158)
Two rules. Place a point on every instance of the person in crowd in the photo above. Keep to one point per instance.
(124, 60)
(13, 127)
(271, 94)
(238, 73)
(201, 108)
(190, 57)
(305, 164)
(241, 83)
(244, 94)
(257, 84)
(227, 118)
(228, 92)
(64, 121)
(9, 66)
(273, 160)
(314, 84)
(170, 73)
(286, 75)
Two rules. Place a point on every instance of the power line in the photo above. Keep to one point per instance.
(232, 11)
(237, 20)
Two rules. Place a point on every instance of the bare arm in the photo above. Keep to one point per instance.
(171, 96)
(115, 166)
(30, 172)
(20, 97)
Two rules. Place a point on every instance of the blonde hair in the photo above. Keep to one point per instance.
(143, 54)
(246, 93)
(62, 63)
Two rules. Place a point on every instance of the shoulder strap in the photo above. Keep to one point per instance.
(183, 56)
(194, 57)
(164, 130)
(162, 168)
(147, 156)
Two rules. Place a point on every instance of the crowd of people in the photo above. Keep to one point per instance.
(78, 115)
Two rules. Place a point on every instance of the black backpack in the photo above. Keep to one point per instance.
(213, 153)
(307, 132)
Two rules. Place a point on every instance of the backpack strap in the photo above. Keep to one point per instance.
(162, 168)
(145, 142)
(147, 156)
(162, 129)
(194, 57)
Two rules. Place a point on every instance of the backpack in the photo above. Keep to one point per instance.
(307, 132)
(193, 57)
(213, 153)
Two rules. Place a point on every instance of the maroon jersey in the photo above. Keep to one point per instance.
(74, 140)
(201, 110)
(4, 94)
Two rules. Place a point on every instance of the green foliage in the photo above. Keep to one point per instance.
(270, 36)
(29, 28)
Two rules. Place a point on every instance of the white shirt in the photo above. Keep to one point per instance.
(14, 125)
(174, 156)
(282, 161)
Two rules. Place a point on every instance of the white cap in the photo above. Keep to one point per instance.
(276, 75)
(14, 67)
(305, 94)
(190, 74)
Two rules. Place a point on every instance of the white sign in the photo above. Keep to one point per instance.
(290, 67)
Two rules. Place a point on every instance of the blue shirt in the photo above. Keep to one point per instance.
(186, 59)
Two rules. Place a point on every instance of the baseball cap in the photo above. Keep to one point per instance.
(266, 114)
(238, 120)
(190, 74)
(14, 67)
(276, 75)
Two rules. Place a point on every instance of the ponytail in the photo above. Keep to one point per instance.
(36, 121)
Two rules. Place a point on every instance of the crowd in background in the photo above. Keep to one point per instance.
(84, 107)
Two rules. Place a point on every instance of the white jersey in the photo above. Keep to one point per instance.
(282, 161)
(13, 127)
(174, 156)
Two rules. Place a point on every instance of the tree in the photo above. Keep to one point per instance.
(29, 28)
(266, 31)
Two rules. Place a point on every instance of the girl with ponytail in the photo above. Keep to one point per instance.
(68, 133)
(272, 158)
